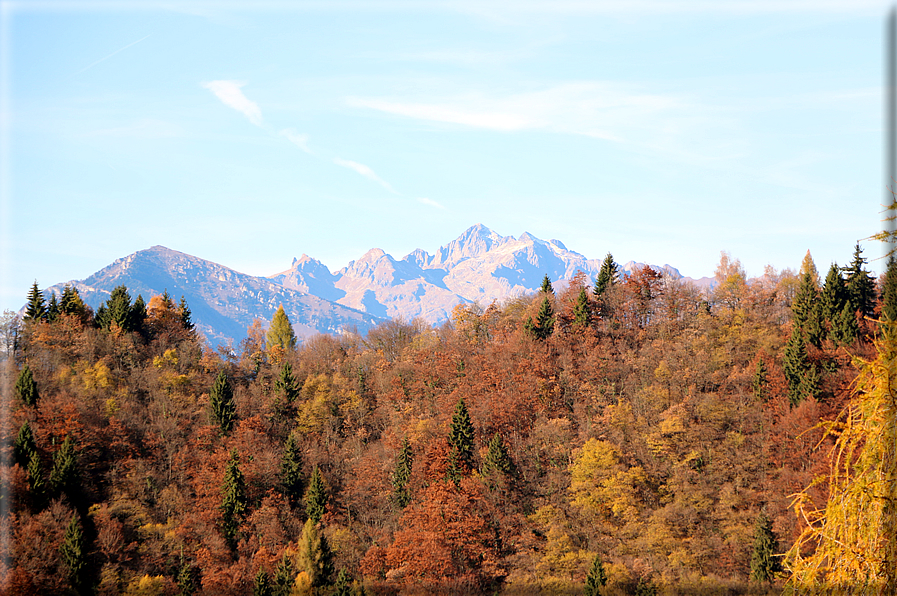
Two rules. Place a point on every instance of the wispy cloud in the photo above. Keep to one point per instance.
(298, 139)
(429, 202)
(364, 171)
(230, 95)
(91, 65)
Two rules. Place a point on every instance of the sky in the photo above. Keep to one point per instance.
(249, 134)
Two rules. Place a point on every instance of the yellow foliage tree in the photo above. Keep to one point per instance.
(281, 331)
(855, 535)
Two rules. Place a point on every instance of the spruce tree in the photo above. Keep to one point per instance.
(138, 315)
(834, 294)
(805, 309)
(24, 445)
(284, 576)
(36, 310)
(262, 584)
(582, 310)
(764, 562)
(316, 497)
(291, 471)
(26, 388)
(71, 304)
(188, 580)
(497, 459)
(281, 332)
(546, 287)
(221, 400)
(543, 327)
(53, 309)
(596, 579)
(73, 552)
(315, 557)
(64, 476)
(343, 586)
(117, 309)
(186, 315)
(860, 286)
(796, 365)
(758, 384)
(233, 501)
(36, 483)
(889, 291)
(607, 276)
(845, 327)
(286, 384)
(402, 474)
(461, 438)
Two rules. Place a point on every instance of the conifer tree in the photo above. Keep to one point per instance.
(24, 445)
(71, 304)
(281, 332)
(187, 579)
(284, 576)
(808, 267)
(186, 315)
(546, 287)
(582, 310)
(889, 291)
(316, 496)
(461, 438)
(845, 327)
(402, 474)
(860, 286)
(262, 584)
(117, 309)
(543, 327)
(233, 502)
(138, 315)
(73, 552)
(315, 557)
(36, 483)
(596, 579)
(286, 384)
(53, 309)
(607, 276)
(64, 476)
(291, 471)
(834, 294)
(758, 384)
(796, 365)
(805, 309)
(26, 388)
(342, 587)
(497, 459)
(37, 308)
(764, 556)
(221, 400)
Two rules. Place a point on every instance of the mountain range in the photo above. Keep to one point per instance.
(478, 266)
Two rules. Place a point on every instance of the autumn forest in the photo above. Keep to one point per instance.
(623, 435)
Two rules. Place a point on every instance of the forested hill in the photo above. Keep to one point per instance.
(628, 435)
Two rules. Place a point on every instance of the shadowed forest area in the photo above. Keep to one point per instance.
(626, 435)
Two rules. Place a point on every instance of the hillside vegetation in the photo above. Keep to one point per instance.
(626, 436)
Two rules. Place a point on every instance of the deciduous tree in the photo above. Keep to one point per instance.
(281, 332)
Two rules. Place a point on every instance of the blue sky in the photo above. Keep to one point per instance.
(664, 132)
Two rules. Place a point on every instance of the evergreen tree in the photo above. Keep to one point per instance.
(316, 496)
(461, 443)
(402, 474)
(284, 576)
(37, 308)
(117, 309)
(315, 557)
(73, 552)
(24, 445)
(764, 561)
(805, 309)
(221, 400)
(233, 502)
(262, 584)
(26, 388)
(342, 587)
(797, 367)
(186, 315)
(138, 315)
(845, 327)
(188, 580)
(834, 294)
(596, 579)
(889, 291)
(759, 382)
(64, 476)
(281, 332)
(497, 459)
(582, 310)
(36, 482)
(291, 471)
(71, 304)
(286, 384)
(52, 309)
(543, 327)
(860, 286)
(608, 275)
(546, 287)
(645, 587)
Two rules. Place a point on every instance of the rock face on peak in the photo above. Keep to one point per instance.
(223, 302)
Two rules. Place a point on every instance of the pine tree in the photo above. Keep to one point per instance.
(543, 327)
(461, 438)
(315, 557)
(26, 388)
(284, 576)
(221, 400)
(316, 496)
(402, 474)
(64, 476)
(596, 579)
(889, 291)
(186, 315)
(286, 384)
(262, 584)
(758, 384)
(281, 332)
(582, 310)
(24, 445)
(291, 471)
(37, 308)
(73, 552)
(860, 286)
(764, 560)
(497, 459)
(608, 275)
(233, 501)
